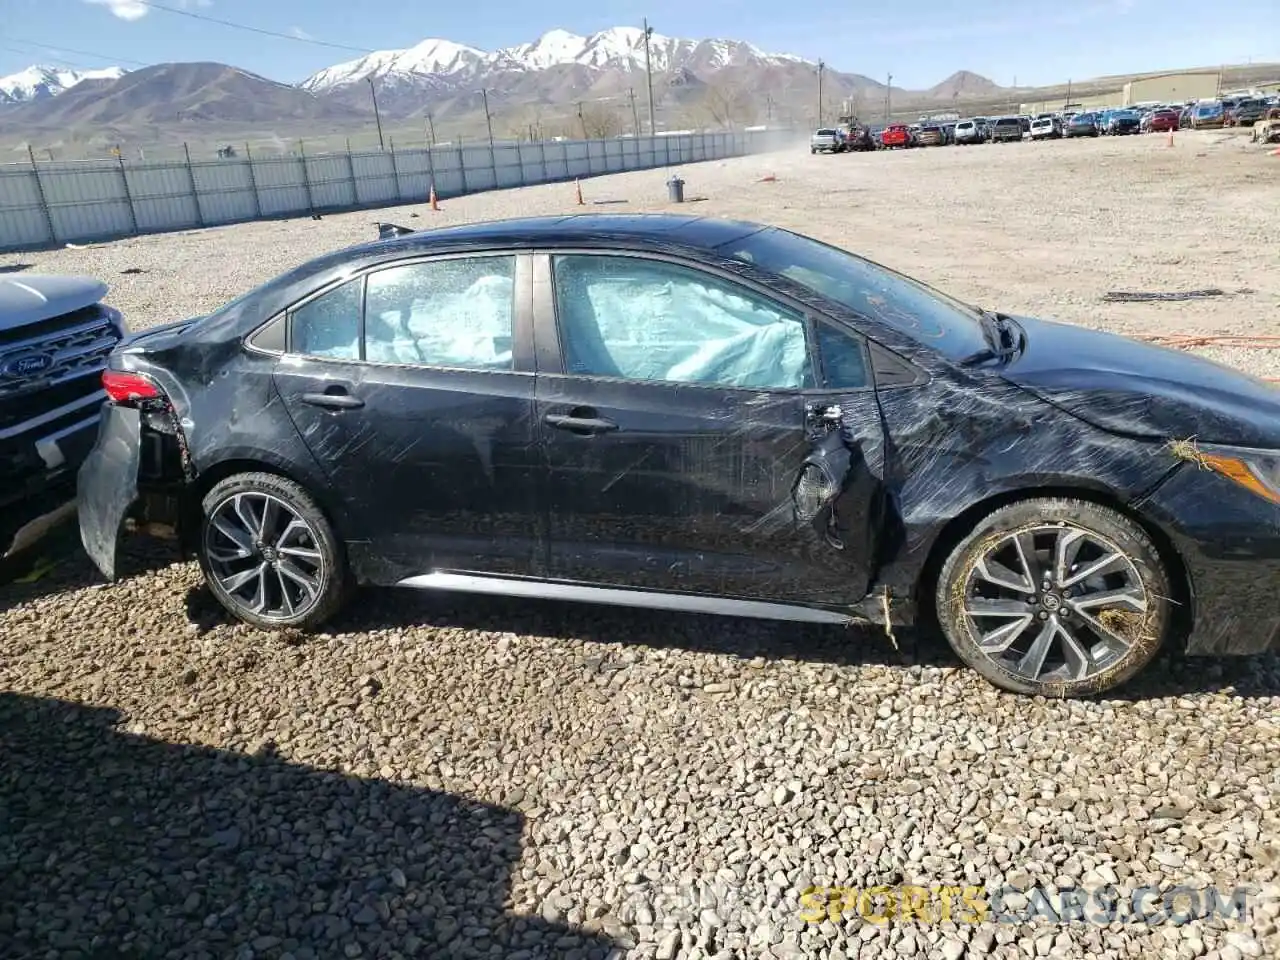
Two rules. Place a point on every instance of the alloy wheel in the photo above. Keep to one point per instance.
(1055, 603)
(264, 556)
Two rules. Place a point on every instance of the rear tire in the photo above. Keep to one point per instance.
(269, 554)
(1056, 598)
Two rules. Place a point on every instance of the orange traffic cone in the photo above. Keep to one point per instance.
(578, 184)
(435, 204)
(1171, 136)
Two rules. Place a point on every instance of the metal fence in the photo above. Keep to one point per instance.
(43, 204)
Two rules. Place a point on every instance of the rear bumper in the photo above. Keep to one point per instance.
(108, 485)
(1229, 542)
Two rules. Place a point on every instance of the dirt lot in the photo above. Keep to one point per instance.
(455, 777)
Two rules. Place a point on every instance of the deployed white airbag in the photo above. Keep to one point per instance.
(471, 328)
(660, 327)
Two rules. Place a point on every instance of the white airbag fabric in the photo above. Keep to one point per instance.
(678, 330)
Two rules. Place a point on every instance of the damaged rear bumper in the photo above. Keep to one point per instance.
(1229, 541)
(107, 485)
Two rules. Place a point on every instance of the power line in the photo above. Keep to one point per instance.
(56, 61)
(259, 30)
(84, 53)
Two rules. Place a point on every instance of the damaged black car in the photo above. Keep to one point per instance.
(702, 415)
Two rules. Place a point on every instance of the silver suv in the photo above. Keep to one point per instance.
(827, 140)
(55, 334)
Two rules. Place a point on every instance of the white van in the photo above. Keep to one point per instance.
(970, 131)
(1045, 128)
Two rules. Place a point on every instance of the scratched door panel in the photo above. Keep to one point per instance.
(692, 492)
(439, 467)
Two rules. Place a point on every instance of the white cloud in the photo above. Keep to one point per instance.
(300, 33)
(136, 9)
(124, 9)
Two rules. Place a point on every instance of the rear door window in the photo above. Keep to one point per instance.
(442, 313)
(329, 325)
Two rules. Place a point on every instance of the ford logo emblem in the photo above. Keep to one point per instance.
(31, 365)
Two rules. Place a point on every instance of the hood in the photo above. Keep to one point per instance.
(1141, 390)
(33, 298)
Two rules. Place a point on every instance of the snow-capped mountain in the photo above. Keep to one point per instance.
(428, 60)
(37, 82)
(444, 63)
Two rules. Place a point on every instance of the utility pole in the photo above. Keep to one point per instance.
(635, 115)
(768, 107)
(821, 66)
(582, 120)
(373, 92)
(888, 93)
(1068, 102)
(431, 129)
(488, 119)
(648, 74)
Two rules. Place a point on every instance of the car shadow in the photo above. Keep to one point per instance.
(390, 609)
(1172, 675)
(15, 267)
(860, 645)
(58, 563)
(115, 844)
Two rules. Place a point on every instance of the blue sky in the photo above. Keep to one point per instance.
(919, 41)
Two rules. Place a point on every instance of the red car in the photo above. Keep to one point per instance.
(1162, 121)
(896, 135)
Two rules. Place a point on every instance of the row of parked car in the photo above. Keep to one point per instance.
(1116, 121)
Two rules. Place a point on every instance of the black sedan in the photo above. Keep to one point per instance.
(701, 415)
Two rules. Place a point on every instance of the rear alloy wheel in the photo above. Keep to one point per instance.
(269, 554)
(1055, 597)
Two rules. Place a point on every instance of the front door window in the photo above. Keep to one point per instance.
(636, 319)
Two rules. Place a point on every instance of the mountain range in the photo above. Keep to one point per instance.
(443, 79)
(40, 83)
(560, 83)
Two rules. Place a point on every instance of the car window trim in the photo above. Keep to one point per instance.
(863, 344)
(547, 321)
(521, 313)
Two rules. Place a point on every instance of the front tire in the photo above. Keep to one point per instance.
(1056, 598)
(269, 554)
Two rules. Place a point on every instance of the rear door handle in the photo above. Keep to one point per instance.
(335, 401)
(584, 425)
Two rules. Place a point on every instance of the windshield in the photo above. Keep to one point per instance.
(826, 133)
(908, 306)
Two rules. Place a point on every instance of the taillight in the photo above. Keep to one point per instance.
(125, 387)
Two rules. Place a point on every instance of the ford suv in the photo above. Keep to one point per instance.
(55, 335)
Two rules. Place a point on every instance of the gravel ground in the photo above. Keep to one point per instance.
(455, 777)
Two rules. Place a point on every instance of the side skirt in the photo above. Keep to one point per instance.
(612, 596)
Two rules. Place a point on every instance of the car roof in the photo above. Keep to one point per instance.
(639, 229)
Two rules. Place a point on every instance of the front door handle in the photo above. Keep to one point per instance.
(582, 425)
(335, 401)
